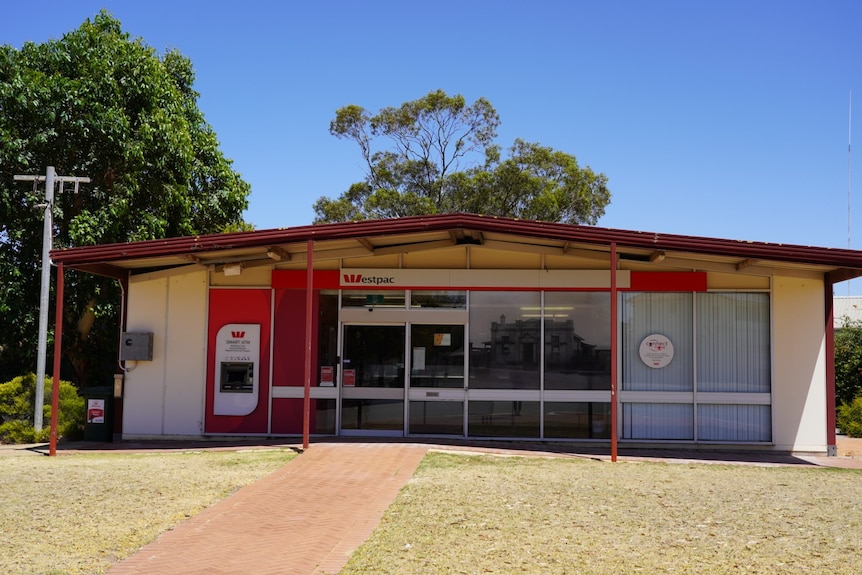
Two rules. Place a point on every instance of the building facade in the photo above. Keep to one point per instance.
(464, 326)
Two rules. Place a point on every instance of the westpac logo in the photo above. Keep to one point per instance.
(237, 334)
(361, 279)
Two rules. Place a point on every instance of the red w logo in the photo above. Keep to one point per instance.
(352, 278)
(237, 334)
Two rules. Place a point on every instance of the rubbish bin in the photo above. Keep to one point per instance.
(99, 416)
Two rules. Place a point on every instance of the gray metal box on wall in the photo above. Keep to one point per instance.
(136, 346)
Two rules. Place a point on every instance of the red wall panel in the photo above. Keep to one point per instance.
(239, 306)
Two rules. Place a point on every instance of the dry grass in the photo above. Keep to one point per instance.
(485, 514)
(79, 514)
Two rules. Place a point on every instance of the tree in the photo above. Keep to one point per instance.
(442, 159)
(848, 362)
(98, 103)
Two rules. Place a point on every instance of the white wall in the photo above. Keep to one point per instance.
(799, 345)
(166, 396)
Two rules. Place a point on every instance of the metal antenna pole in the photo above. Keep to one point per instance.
(47, 242)
(47, 235)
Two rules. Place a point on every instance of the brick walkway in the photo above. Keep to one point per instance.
(304, 519)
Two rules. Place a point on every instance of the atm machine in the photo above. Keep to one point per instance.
(237, 369)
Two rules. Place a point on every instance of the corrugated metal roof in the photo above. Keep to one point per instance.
(846, 308)
(114, 259)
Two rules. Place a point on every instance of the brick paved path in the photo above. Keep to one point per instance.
(304, 519)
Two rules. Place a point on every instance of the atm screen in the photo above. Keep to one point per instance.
(237, 377)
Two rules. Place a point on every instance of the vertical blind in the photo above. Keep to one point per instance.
(721, 345)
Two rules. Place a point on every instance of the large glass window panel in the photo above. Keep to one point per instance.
(577, 420)
(327, 335)
(733, 351)
(658, 421)
(505, 340)
(376, 414)
(577, 340)
(373, 356)
(503, 419)
(734, 422)
(438, 299)
(433, 417)
(373, 298)
(437, 356)
(665, 314)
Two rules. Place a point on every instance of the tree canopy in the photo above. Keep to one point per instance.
(438, 154)
(100, 104)
(848, 362)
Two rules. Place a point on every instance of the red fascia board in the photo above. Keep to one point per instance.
(296, 279)
(417, 224)
(667, 281)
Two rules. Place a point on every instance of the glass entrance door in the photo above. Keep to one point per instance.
(372, 380)
(437, 386)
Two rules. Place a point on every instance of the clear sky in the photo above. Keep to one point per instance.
(725, 118)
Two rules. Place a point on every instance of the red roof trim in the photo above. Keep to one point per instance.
(566, 232)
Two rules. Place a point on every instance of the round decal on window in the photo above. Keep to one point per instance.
(656, 351)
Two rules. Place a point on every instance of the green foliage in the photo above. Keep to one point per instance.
(100, 104)
(442, 159)
(849, 418)
(848, 362)
(17, 398)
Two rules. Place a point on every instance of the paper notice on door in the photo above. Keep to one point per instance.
(442, 339)
(418, 358)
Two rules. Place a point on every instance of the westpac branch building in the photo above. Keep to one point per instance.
(466, 326)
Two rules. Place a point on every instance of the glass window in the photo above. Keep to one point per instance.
(437, 356)
(658, 421)
(327, 335)
(438, 299)
(577, 420)
(377, 414)
(373, 356)
(505, 340)
(446, 417)
(733, 342)
(503, 419)
(664, 314)
(734, 422)
(577, 340)
(372, 298)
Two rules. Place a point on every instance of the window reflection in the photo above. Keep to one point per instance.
(505, 340)
(577, 340)
(438, 299)
(437, 356)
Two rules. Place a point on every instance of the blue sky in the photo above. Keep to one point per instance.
(722, 118)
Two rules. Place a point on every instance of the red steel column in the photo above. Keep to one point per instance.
(831, 440)
(613, 351)
(58, 339)
(309, 303)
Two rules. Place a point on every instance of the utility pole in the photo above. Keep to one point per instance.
(50, 178)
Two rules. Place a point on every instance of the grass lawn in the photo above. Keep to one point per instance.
(485, 514)
(79, 514)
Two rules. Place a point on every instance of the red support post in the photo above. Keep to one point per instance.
(831, 436)
(614, 402)
(58, 339)
(309, 306)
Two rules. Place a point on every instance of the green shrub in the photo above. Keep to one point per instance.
(17, 398)
(850, 418)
